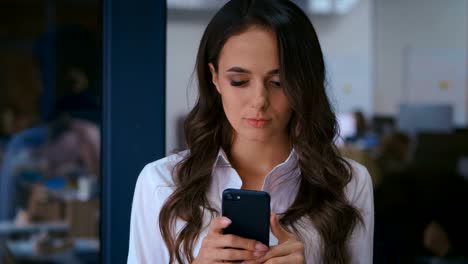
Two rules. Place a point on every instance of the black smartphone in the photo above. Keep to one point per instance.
(249, 212)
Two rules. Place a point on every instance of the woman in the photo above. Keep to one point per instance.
(263, 122)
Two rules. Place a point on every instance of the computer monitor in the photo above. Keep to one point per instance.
(383, 125)
(415, 118)
(347, 127)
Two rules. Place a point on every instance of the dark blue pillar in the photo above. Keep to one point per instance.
(134, 39)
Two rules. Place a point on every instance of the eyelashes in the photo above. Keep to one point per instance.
(235, 83)
(241, 83)
(277, 84)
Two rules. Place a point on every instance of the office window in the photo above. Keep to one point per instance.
(50, 119)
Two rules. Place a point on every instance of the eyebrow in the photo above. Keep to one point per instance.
(242, 70)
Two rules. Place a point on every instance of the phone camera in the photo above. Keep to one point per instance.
(229, 196)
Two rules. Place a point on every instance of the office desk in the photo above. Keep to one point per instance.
(83, 251)
(8, 228)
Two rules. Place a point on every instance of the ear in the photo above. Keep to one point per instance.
(214, 76)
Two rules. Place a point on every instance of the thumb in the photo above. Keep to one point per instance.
(280, 233)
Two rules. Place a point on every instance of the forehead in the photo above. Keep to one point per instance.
(254, 48)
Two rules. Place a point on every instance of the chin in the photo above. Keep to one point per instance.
(256, 136)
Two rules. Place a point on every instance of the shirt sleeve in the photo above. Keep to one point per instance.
(362, 238)
(146, 244)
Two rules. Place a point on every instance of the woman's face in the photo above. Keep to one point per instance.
(250, 87)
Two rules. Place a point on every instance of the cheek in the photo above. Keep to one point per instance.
(234, 100)
(282, 106)
(232, 110)
(232, 107)
(286, 115)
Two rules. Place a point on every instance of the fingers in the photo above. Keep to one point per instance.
(277, 251)
(236, 254)
(218, 224)
(216, 228)
(280, 233)
(290, 248)
(296, 258)
(234, 241)
(210, 253)
(226, 248)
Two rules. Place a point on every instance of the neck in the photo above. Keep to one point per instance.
(253, 160)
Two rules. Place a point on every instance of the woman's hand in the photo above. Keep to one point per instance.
(289, 249)
(219, 248)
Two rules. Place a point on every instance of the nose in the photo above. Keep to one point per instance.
(260, 98)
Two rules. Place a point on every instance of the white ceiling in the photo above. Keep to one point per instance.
(312, 6)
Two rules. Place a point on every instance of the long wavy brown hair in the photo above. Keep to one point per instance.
(312, 129)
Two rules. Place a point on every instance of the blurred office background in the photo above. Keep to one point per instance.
(50, 111)
(397, 76)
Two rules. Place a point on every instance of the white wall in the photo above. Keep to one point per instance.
(402, 25)
(183, 38)
(346, 41)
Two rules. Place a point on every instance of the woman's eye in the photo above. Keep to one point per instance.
(276, 84)
(238, 83)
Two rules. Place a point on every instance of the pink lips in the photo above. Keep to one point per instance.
(257, 123)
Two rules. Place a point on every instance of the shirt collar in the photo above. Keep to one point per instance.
(290, 162)
(286, 171)
(283, 175)
(282, 182)
(221, 159)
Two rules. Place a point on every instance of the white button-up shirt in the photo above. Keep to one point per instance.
(155, 184)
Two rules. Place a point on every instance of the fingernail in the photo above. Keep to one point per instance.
(261, 247)
(225, 221)
(259, 253)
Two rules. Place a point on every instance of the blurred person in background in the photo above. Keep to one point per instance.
(364, 138)
(19, 97)
(78, 85)
(362, 145)
(432, 202)
(19, 110)
(70, 151)
(70, 132)
(394, 153)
